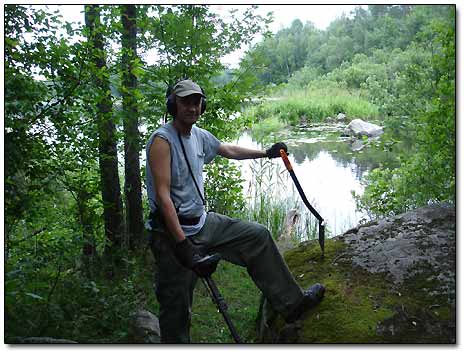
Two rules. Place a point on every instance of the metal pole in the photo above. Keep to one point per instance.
(222, 306)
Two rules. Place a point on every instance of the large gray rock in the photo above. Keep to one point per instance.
(358, 128)
(389, 281)
(145, 328)
(401, 246)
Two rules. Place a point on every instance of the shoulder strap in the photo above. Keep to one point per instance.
(190, 169)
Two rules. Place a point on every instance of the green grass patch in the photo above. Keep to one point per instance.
(267, 126)
(312, 105)
(242, 298)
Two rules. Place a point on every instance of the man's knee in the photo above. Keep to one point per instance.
(262, 233)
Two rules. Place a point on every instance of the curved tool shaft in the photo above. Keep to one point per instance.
(290, 170)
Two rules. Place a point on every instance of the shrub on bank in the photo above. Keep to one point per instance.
(312, 104)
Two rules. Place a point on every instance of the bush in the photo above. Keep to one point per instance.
(223, 186)
(428, 174)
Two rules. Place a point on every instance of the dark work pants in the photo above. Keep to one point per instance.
(244, 243)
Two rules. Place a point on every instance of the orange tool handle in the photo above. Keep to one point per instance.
(283, 154)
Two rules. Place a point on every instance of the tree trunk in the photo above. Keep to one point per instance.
(85, 215)
(108, 157)
(132, 184)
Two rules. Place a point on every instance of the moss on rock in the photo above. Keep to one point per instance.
(364, 307)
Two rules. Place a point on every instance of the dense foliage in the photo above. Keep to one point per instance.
(73, 93)
(428, 173)
(364, 31)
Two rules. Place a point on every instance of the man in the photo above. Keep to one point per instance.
(181, 228)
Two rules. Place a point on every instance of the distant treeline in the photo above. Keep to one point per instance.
(380, 27)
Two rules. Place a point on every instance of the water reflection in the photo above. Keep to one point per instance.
(330, 183)
(328, 170)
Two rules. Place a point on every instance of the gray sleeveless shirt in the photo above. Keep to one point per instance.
(201, 148)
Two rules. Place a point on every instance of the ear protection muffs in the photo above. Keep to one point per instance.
(171, 100)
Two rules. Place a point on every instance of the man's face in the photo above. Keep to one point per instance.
(188, 108)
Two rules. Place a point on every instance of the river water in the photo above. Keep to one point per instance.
(327, 167)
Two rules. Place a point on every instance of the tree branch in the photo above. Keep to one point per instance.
(37, 232)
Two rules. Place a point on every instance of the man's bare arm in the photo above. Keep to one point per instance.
(160, 165)
(239, 153)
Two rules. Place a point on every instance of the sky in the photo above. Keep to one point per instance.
(320, 15)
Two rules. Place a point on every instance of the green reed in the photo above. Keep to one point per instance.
(269, 199)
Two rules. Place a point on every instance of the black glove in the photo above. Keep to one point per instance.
(184, 252)
(205, 266)
(190, 257)
(274, 150)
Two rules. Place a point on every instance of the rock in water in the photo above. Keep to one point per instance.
(358, 128)
(341, 117)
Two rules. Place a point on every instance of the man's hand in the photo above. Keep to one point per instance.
(274, 150)
(189, 256)
(205, 266)
(184, 252)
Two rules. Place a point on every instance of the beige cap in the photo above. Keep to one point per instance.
(187, 87)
